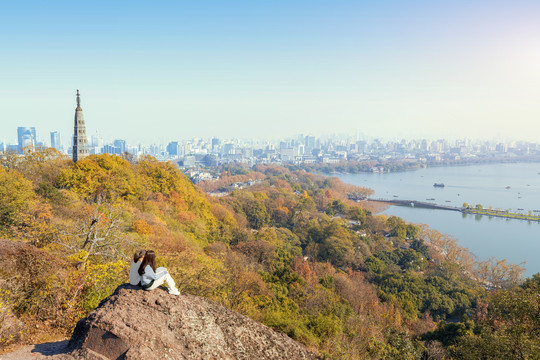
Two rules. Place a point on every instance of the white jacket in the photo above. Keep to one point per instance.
(150, 275)
(134, 277)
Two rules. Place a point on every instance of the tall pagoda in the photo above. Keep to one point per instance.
(80, 142)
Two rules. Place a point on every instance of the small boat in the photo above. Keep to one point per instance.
(508, 187)
(438, 185)
(396, 196)
(447, 201)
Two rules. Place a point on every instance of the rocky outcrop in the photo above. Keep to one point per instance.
(137, 324)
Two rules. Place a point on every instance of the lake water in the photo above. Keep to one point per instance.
(502, 186)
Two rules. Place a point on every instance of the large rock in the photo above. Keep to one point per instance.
(138, 324)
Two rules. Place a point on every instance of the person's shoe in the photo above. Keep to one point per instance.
(174, 292)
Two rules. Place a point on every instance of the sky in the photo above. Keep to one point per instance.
(158, 71)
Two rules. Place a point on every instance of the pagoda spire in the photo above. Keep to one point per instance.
(80, 141)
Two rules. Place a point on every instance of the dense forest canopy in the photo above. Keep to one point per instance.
(290, 250)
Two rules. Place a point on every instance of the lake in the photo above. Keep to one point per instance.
(502, 186)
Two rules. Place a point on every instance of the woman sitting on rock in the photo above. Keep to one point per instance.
(151, 277)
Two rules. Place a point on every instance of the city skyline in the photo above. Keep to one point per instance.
(398, 70)
(298, 149)
(65, 140)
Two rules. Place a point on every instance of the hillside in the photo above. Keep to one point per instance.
(290, 251)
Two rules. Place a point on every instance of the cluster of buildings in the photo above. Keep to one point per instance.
(331, 150)
(212, 152)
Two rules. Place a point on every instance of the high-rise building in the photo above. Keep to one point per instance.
(110, 149)
(97, 141)
(120, 145)
(80, 141)
(96, 146)
(26, 137)
(173, 148)
(55, 140)
(228, 149)
(310, 144)
(215, 144)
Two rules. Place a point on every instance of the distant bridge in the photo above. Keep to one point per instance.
(418, 204)
(483, 212)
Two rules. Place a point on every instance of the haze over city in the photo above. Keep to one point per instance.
(161, 71)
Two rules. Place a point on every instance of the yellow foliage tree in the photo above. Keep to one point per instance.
(141, 227)
(16, 196)
(104, 174)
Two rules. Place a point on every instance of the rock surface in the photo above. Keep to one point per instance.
(137, 324)
(37, 352)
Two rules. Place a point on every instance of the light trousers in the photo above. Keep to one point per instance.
(163, 277)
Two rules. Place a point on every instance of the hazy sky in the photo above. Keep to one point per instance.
(165, 70)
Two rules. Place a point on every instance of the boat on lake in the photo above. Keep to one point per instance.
(438, 185)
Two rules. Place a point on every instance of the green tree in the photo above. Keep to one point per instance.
(420, 246)
(507, 328)
(397, 226)
(337, 207)
(375, 265)
(412, 231)
(335, 249)
(256, 214)
(411, 260)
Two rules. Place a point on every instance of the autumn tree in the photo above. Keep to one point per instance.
(22, 214)
(241, 283)
(101, 174)
(499, 274)
(96, 232)
(41, 166)
(447, 254)
(16, 195)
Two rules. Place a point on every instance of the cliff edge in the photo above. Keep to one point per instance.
(137, 324)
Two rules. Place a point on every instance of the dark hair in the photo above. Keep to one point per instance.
(149, 259)
(138, 254)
